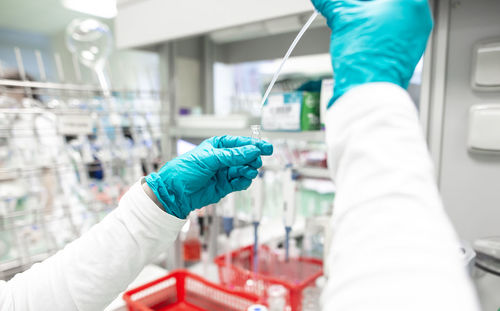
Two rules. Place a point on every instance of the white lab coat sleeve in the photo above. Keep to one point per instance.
(393, 247)
(91, 271)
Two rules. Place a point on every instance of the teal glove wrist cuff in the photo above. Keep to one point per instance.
(375, 40)
(165, 197)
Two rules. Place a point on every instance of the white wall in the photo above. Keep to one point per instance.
(470, 183)
(27, 43)
(188, 69)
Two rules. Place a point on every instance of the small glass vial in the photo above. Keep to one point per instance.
(256, 131)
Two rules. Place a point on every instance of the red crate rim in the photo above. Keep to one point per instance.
(220, 262)
(181, 275)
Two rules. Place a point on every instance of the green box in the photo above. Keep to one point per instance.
(292, 111)
(309, 115)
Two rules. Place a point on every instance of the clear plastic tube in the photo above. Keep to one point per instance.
(287, 55)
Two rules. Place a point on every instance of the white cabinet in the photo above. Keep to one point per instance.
(148, 22)
(484, 128)
(486, 76)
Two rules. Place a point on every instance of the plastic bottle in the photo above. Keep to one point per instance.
(276, 297)
(192, 244)
(311, 295)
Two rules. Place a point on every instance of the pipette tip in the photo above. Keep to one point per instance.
(287, 243)
(256, 246)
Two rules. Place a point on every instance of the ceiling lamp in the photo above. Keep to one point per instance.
(100, 8)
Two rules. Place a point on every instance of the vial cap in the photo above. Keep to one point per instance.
(257, 308)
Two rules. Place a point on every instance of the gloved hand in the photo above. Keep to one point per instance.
(206, 174)
(375, 40)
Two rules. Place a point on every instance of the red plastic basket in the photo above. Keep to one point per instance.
(295, 275)
(184, 291)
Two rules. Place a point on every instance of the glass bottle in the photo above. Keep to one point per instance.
(256, 131)
(192, 243)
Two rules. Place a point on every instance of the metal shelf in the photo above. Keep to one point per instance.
(201, 133)
(308, 172)
(49, 85)
(19, 265)
(69, 87)
(314, 172)
(73, 111)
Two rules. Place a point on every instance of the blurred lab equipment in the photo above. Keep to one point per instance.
(56, 140)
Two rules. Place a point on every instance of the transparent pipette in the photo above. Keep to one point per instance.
(257, 202)
(228, 212)
(289, 204)
(287, 55)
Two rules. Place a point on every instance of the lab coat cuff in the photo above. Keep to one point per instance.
(367, 105)
(381, 90)
(150, 211)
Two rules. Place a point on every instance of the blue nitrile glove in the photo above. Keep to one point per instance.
(375, 40)
(206, 174)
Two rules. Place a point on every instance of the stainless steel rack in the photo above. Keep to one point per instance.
(72, 87)
(16, 224)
